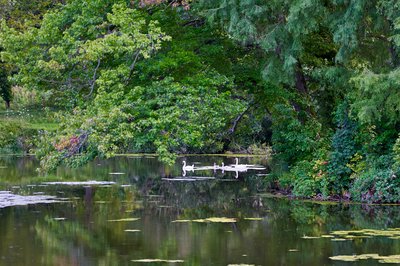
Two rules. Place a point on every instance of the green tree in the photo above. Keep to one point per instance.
(123, 100)
(20, 13)
(319, 53)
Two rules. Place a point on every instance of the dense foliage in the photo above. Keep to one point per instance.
(337, 65)
(5, 87)
(317, 80)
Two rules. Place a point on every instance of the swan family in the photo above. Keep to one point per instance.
(233, 167)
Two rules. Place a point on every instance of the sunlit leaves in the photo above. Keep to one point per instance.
(77, 41)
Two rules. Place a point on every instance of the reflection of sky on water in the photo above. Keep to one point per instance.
(8, 199)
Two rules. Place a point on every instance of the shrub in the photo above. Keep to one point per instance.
(344, 148)
(396, 152)
(376, 185)
(14, 137)
(304, 184)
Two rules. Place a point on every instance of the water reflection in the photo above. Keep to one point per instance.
(127, 169)
(79, 231)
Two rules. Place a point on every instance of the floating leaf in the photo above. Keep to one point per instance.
(345, 258)
(355, 237)
(241, 265)
(221, 220)
(310, 237)
(393, 233)
(390, 259)
(368, 256)
(200, 221)
(84, 183)
(381, 259)
(341, 232)
(158, 260)
(328, 236)
(124, 220)
(340, 239)
(209, 220)
(293, 250)
(132, 230)
(254, 219)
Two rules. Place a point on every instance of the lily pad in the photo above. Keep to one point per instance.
(254, 219)
(221, 220)
(368, 256)
(59, 219)
(132, 230)
(381, 259)
(158, 260)
(345, 258)
(393, 233)
(241, 265)
(310, 237)
(199, 221)
(124, 220)
(84, 183)
(209, 220)
(390, 259)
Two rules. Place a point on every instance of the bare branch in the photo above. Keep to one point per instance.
(237, 120)
(93, 81)
(132, 66)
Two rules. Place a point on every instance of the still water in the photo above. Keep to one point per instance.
(143, 213)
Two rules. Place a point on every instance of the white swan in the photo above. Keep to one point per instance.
(247, 166)
(240, 166)
(214, 167)
(230, 168)
(187, 167)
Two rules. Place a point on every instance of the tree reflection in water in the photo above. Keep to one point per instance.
(87, 237)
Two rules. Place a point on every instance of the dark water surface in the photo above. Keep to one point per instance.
(70, 225)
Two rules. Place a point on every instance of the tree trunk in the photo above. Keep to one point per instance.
(301, 84)
(301, 87)
(394, 55)
(7, 104)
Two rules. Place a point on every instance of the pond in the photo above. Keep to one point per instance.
(132, 210)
